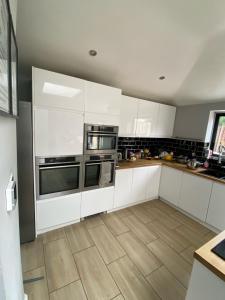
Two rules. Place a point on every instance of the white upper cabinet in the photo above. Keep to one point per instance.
(57, 90)
(194, 195)
(101, 119)
(165, 122)
(147, 118)
(128, 116)
(216, 211)
(57, 132)
(170, 184)
(102, 99)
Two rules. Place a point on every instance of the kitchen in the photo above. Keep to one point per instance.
(120, 184)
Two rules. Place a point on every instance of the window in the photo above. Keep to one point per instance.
(218, 137)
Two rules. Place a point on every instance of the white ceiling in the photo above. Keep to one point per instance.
(137, 41)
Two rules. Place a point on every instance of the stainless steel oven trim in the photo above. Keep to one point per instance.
(79, 163)
(113, 161)
(108, 151)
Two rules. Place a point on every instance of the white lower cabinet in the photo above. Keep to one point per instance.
(216, 211)
(123, 185)
(170, 184)
(195, 195)
(139, 184)
(96, 201)
(153, 181)
(57, 211)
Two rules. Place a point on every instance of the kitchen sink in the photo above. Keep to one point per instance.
(215, 173)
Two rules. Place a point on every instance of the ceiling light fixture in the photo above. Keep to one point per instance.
(92, 52)
(162, 77)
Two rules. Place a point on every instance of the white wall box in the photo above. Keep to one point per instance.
(123, 188)
(153, 181)
(194, 195)
(96, 201)
(57, 211)
(170, 184)
(165, 122)
(216, 211)
(57, 90)
(128, 116)
(102, 99)
(57, 132)
(147, 118)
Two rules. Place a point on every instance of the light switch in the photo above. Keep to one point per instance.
(11, 194)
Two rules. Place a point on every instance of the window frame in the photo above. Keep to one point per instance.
(214, 132)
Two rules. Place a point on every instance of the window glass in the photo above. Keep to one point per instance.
(219, 134)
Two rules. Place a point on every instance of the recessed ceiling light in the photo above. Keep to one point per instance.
(162, 77)
(93, 52)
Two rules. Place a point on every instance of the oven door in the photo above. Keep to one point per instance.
(100, 142)
(92, 174)
(58, 180)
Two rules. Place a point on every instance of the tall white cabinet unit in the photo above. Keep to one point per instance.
(57, 132)
(102, 104)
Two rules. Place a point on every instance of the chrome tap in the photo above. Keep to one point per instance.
(221, 151)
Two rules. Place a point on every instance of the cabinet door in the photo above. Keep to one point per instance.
(194, 195)
(147, 118)
(123, 184)
(165, 123)
(153, 180)
(101, 119)
(216, 211)
(57, 90)
(170, 184)
(102, 99)
(58, 211)
(139, 184)
(57, 132)
(96, 201)
(128, 116)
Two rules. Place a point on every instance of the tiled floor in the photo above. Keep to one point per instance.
(142, 252)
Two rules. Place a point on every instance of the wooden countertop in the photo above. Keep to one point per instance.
(172, 164)
(211, 260)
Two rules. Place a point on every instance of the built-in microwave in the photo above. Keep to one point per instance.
(57, 176)
(100, 139)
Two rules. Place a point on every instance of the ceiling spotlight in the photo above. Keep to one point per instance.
(93, 52)
(162, 77)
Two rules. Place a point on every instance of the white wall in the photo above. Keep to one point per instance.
(11, 286)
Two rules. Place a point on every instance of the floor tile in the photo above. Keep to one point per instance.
(114, 223)
(95, 276)
(142, 214)
(166, 285)
(60, 266)
(188, 254)
(139, 253)
(172, 238)
(53, 235)
(106, 243)
(32, 255)
(130, 281)
(191, 235)
(173, 261)
(120, 297)
(93, 221)
(124, 212)
(73, 291)
(163, 217)
(36, 290)
(139, 229)
(78, 237)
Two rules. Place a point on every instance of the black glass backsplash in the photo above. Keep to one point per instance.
(156, 145)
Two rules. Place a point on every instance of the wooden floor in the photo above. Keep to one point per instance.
(141, 252)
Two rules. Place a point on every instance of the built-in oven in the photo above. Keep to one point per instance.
(99, 171)
(100, 139)
(57, 176)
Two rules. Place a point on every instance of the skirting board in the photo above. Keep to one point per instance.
(132, 204)
(40, 231)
